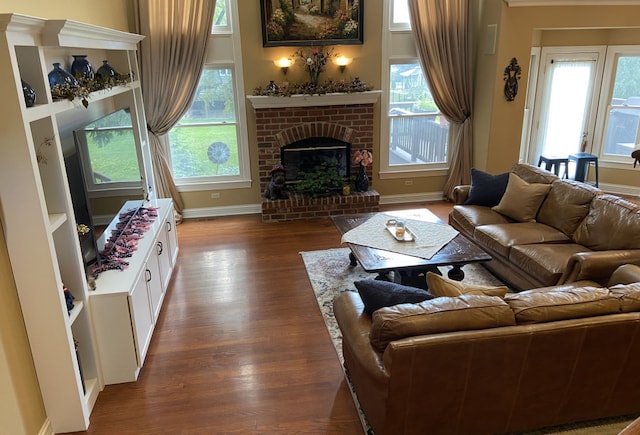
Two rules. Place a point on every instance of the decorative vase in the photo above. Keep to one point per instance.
(29, 94)
(106, 72)
(81, 68)
(362, 181)
(272, 87)
(314, 74)
(59, 77)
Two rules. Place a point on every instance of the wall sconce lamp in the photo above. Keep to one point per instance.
(284, 64)
(342, 62)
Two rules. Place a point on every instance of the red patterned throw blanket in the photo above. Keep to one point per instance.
(124, 238)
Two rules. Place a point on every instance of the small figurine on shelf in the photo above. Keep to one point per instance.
(68, 298)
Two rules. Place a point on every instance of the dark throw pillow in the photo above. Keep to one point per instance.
(486, 189)
(377, 294)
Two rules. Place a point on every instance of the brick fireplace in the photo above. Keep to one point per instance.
(281, 121)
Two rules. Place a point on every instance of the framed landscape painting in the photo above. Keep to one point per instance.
(311, 22)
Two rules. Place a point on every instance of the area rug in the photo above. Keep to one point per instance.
(330, 273)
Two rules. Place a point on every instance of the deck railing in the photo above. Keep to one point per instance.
(422, 137)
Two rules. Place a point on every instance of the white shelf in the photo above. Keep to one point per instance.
(28, 47)
(75, 312)
(56, 220)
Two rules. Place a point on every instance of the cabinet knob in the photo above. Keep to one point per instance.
(160, 247)
(169, 226)
(148, 273)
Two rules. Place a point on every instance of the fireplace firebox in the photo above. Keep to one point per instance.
(305, 155)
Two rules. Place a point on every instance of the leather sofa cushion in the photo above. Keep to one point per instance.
(629, 296)
(539, 307)
(566, 205)
(546, 262)
(521, 201)
(468, 217)
(441, 286)
(533, 174)
(500, 238)
(438, 315)
(612, 223)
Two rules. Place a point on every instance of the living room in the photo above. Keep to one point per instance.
(497, 137)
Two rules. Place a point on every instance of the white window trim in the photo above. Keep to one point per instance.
(606, 91)
(243, 180)
(397, 171)
(228, 28)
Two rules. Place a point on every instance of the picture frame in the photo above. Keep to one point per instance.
(311, 22)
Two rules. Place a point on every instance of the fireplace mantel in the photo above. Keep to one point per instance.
(268, 102)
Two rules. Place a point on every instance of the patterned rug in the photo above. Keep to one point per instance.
(330, 273)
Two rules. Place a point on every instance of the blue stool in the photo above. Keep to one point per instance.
(554, 163)
(583, 161)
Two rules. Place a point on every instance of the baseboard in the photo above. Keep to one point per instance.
(205, 212)
(231, 210)
(46, 428)
(411, 197)
(619, 189)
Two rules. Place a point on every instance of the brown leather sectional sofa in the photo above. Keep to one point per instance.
(487, 365)
(578, 233)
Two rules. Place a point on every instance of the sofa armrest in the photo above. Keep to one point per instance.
(597, 265)
(460, 193)
(355, 326)
(625, 274)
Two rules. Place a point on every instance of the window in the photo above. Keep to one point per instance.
(621, 107)
(220, 22)
(597, 91)
(204, 143)
(414, 134)
(209, 145)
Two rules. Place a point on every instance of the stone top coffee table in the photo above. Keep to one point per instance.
(407, 269)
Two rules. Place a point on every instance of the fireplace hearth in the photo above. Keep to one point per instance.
(337, 122)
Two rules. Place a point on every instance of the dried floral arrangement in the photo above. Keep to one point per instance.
(86, 86)
(327, 87)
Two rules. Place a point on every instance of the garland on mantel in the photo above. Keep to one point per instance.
(328, 87)
(124, 239)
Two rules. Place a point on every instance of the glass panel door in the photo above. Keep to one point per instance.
(564, 112)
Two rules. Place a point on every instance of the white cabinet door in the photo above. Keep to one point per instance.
(164, 259)
(172, 238)
(154, 284)
(141, 316)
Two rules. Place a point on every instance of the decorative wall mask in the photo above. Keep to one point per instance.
(512, 74)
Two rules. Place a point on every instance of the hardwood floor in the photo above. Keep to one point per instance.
(240, 345)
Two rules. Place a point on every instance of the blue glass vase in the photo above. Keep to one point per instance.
(81, 68)
(59, 77)
(29, 94)
(106, 72)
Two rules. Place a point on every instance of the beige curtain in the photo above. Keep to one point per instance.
(442, 31)
(171, 59)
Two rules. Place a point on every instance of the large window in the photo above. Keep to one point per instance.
(205, 141)
(414, 134)
(586, 98)
(621, 107)
(209, 145)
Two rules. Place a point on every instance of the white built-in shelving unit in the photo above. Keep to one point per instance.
(37, 214)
